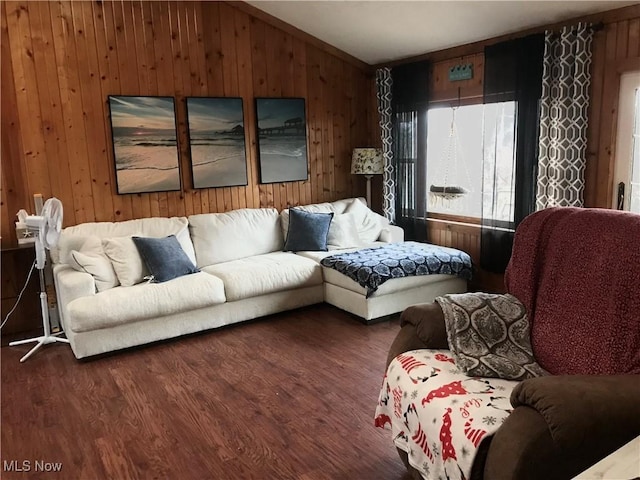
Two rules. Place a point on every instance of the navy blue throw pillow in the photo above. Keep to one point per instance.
(164, 257)
(307, 231)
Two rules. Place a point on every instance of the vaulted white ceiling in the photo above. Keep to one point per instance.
(382, 31)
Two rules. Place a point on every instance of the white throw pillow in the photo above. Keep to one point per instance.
(343, 232)
(67, 243)
(98, 266)
(368, 223)
(184, 239)
(126, 260)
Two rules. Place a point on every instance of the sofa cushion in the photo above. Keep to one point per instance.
(144, 301)
(164, 258)
(223, 237)
(343, 232)
(307, 231)
(74, 237)
(126, 260)
(97, 265)
(263, 274)
(368, 222)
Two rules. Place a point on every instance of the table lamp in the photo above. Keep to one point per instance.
(367, 162)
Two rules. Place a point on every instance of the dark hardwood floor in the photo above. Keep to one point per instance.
(290, 396)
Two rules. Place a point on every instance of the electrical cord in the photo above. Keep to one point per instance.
(19, 295)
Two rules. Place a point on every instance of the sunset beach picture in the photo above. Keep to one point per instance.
(145, 144)
(282, 139)
(216, 140)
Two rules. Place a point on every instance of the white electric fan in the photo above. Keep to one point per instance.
(46, 228)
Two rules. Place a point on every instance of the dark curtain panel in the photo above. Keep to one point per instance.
(513, 72)
(409, 103)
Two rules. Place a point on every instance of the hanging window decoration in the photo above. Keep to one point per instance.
(444, 190)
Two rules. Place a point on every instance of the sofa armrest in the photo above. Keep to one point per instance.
(561, 425)
(422, 326)
(70, 285)
(391, 234)
(579, 407)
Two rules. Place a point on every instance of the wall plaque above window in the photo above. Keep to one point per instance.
(461, 72)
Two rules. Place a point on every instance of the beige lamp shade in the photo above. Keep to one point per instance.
(367, 161)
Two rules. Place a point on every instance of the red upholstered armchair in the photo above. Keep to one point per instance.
(577, 272)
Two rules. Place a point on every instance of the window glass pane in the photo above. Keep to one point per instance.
(407, 151)
(455, 163)
(498, 195)
(482, 160)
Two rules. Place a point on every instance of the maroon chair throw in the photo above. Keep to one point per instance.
(578, 273)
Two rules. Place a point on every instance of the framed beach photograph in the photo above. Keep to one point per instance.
(145, 144)
(282, 139)
(216, 141)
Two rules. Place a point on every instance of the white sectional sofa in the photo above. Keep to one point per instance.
(244, 274)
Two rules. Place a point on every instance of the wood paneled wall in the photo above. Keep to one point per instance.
(466, 237)
(60, 60)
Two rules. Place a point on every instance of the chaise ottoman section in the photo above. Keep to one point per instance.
(336, 278)
(391, 297)
(152, 300)
(264, 274)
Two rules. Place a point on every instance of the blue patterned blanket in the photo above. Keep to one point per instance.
(371, 267)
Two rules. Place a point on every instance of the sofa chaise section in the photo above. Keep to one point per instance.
(393, 296)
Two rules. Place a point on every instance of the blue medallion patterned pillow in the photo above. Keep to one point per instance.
(164, 258)
(307, 231)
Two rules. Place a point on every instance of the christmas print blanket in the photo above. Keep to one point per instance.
(371, 267)
(437, 414)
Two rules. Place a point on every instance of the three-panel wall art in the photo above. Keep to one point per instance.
(145, 142)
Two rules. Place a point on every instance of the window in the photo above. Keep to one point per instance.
(482, 160)
(627, 161)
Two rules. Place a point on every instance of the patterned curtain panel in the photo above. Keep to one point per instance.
(563, 117)
(384, 83)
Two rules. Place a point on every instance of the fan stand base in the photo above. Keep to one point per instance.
(48, 337)
(42, 340)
